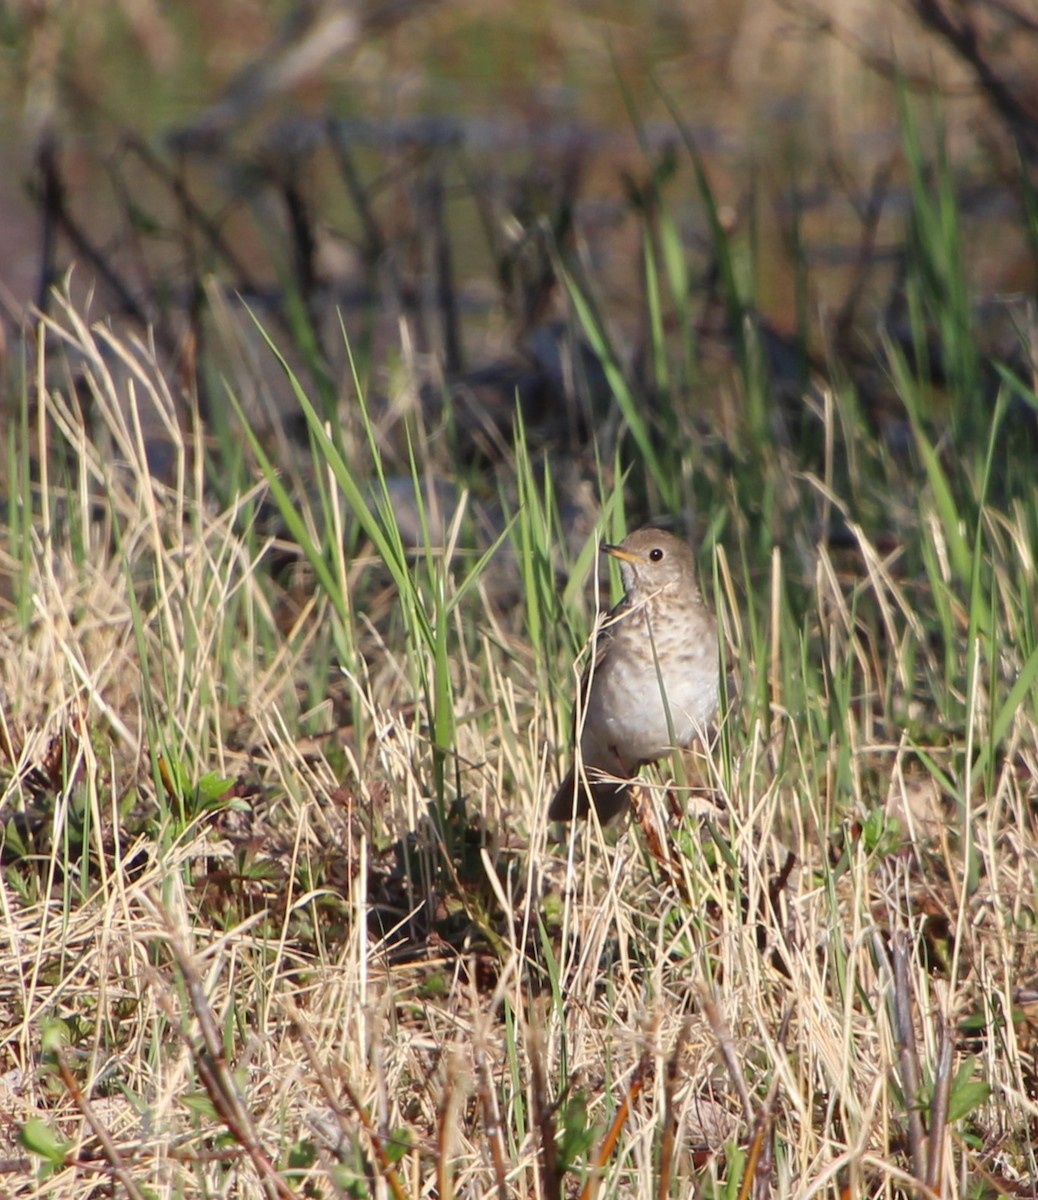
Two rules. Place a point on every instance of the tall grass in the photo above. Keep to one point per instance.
(281, 912)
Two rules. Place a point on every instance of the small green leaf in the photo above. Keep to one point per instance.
(302, 1156)
(212, 787)
(577, 1135)
(38, 1138)
(54, 1036)
(881, 834)
(200, 1104)
(349, 1182)
(967, 1093)
(399, 1143)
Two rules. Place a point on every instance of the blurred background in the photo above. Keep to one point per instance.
(378, 157)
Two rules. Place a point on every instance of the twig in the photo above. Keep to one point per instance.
(212, 1065)
(444, 1181)
(443, 271)
(884, 66)
(375, 244)
(613, 1136)
(57, 216)
(669, 1122)
(191, 211)
(491, 1117)
(870, 218)
(962, 37)
(543, 1115)
(904, 1036)
(303, 240)
(724, 1043)
(760, 1157)
(98, 1128)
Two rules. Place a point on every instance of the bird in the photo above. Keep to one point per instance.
(653, 681)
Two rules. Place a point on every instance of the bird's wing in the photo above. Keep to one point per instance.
(609, 797)
(603, 640)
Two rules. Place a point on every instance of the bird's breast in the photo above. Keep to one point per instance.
(656, 686)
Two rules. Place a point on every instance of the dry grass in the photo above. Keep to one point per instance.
(247, 948)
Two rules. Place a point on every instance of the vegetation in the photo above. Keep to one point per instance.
(282, 703)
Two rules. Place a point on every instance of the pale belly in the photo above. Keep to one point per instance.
(631, 719)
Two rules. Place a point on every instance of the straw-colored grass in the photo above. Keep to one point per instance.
(281, 913)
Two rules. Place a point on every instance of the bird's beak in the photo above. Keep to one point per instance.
(620, 553)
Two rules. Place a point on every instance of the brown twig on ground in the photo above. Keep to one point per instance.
(491, 1115)
(543, 1115)
(722, 1034)
(669, 1122)
(211, 1064)
(444, 1119)
(904, 1036)
(98, 1128)
(760, 1157)
(619, 1121)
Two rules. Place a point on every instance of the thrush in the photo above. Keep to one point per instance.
(652, 684)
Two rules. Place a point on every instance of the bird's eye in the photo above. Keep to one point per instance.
(655, 555)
